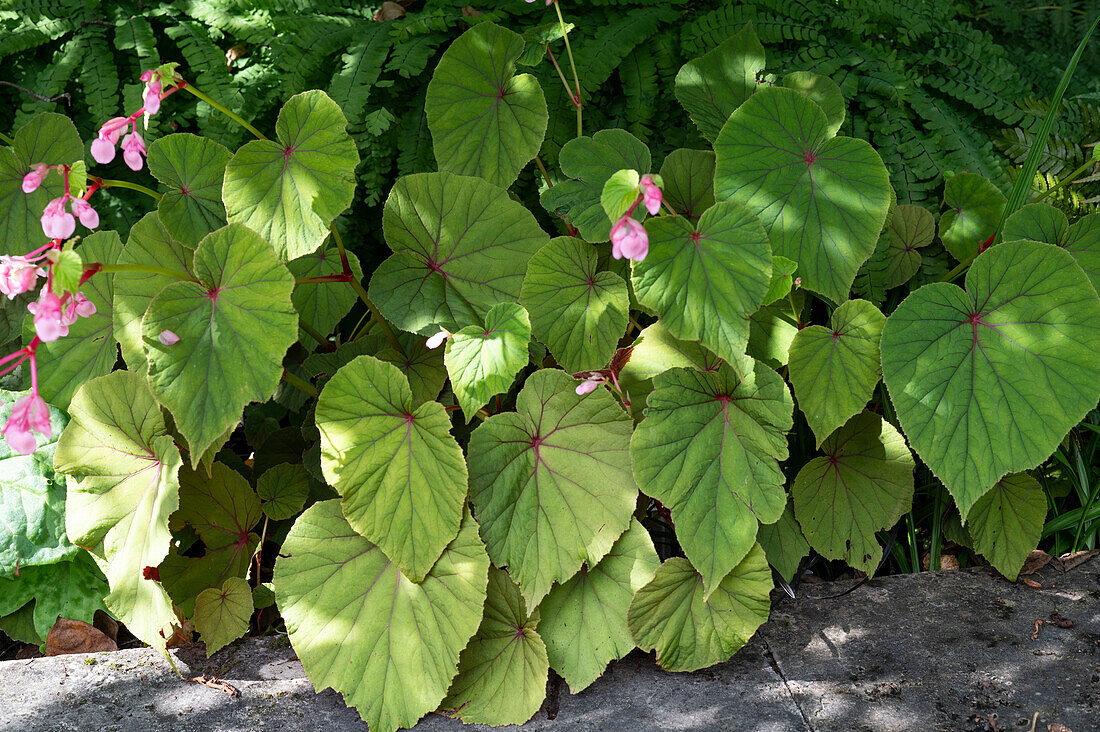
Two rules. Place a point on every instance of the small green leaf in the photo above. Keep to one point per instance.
(712, 86)
(1007, 521)
(689, 632)
(706, 280)
(502, 673)
(709, 449)
(1037, 222)
(974, 207)
(864, 483)
(423, 366)
(784, 544)
(579, 311)
(289, 190)
(834, 370)
(483, 360)
(283, 490)
(584, 619)
(771, 331)
(389, 645)
(549, 482)
(67, 271)
(619, 193)
(263, 596)
(485, 121)
(689, 182)
(909, 229)
(193, 169)
(222, 614)
(536, 38)
(401, 474)
(783, 270)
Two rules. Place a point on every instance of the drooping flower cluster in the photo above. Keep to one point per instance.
(133, 144)
(57, 223)
(53, 316)
(29, 415)
(628, 237)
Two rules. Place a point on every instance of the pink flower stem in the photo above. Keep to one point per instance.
(34, 375)
(574, 99)
(15, 365)
(22, 352)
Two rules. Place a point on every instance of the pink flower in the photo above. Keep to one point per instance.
(50, 321)
(590, 384)
(168, 338)
(437, 340)
(57, 223)
(78, 306)
(103, 147)
(86, 213)
(17, 275)
(33, 179)
(133, 148)
(153, 89)
(629, 239)
(651, 195)
(30, 414)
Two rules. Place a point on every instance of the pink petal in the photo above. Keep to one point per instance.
(22, 441)
(587, 386)
(168, 338)
(103, 150)
(437, 340)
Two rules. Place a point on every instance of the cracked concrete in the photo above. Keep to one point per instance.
(944, 651)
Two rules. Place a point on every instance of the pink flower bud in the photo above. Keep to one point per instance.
(629, 239)
(152, 96)
(168, 338)
(86, 213)
(586, 387)
(82, 306)
(17, 275)
(651, 195)
(33, 179)
(133, 148)
(437, 340)
(50, 322)
(30, 414)
(57, 223)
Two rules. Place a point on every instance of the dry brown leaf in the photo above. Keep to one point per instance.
(389, 11)
(468, 11)
(1061, 622)
(1058, 728)
(1039, 623)
(215, 683)
(1035, 561)
(1068, 561)
(1031, 583)
(76, 636)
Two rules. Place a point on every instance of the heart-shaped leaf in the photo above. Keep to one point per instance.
(974, 208)
(577, 310)
(222, 614)
(283, 490)
(822, 199)
(122, 489)
(234, 325)
(485, 121)
(987, 381)
(149, 244)
(705, 281)
(389, 645)
(588, 162)
(709, 449)
(584, 619)
(689, 632)
(322, 305)
(1007, 521)
(289, 190)
(502, 673)
(784, 544)
(864, 483)
(32, 501)
(549, 482)
(689, 182)
(718, 82)
(461, 246)
(192, 168)
(1040, 222)
(401, 474)
(90, 349)
(834, 370)
(483, 360)
(909, 229)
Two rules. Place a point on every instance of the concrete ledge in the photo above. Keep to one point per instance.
(934, 651)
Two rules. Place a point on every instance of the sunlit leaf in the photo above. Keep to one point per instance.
(483, 360)
(718, 82)
(192, 168)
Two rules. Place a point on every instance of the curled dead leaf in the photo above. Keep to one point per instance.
(389, 11)
(1031, 583)
(75, 636)
(1035, 561)
(1068, 561)
(234, 53)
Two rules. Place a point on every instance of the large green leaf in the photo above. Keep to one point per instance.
(709, 449)
(90, 349)
(122, 489)
(401, 474)
(234, 325)
(690, 632)
(584, 619)
(550, 482)
(718, 82)
(483, 360)
(689, 182)
(862, 484)
(323, 305)
(222, 614)
(823, 199)
(289, 190)
(461, 246)
(222, 509)
(192, 168)
(485, 121)
(1007, 521)
(784, 544)
(32, 500)
(72, 589)
(909, 229)
(389, 645)
(502, 673)
(705, 281)
(149, 243)
(1040, 222)
(974, 208)
(834, 370)
(579, 311)
(987, 381)
(588, 162)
